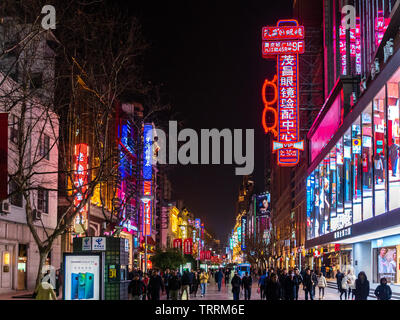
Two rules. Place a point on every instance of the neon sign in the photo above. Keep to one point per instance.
(147, 171)
(80, 181)
(286, 45)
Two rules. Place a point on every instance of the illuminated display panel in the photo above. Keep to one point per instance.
(288, 145)
(80, 182)
(147, 171)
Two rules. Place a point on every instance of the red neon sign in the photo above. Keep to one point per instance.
(177, 244)
(284, 32)
(188, 246)
(80, 183)
(288, 145)
(146, 213)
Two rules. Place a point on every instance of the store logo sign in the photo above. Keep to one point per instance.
(342, 233)
(99, 243)
(86, 244)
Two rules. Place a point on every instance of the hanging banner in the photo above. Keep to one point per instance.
(188, 246)
(207, 255)
(244, 228)
(177, 243)
(285, 43)
(4, 155)
(80, 182)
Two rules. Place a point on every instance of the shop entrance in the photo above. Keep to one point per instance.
(6, 267)
(22, 264)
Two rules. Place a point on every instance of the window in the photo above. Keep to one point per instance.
(356, 169)
(380, 154)
(36, 81)
(367, 163)
(393, 141)
(43, 200)
(14, 129)
(337, 220)
(15, 196)
(44, 146)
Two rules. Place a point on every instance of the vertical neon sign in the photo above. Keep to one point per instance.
(80, 181)
(285, 42)
(147, 204)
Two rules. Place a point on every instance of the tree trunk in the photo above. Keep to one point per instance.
(43, 255)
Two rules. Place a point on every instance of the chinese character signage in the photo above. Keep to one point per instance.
(177, 244)
(147, 151)
(146, 214)
(147, 171)
(285, 43)
(243, 228)
(80, 182)
(188, 246)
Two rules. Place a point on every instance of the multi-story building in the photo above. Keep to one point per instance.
(353, 178)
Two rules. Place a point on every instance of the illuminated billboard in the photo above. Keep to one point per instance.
(81, 154)
(285, 43)
(147, 172)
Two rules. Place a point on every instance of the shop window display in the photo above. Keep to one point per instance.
(333, 184)
(347, 182)
(387, 262)
(367, 163)
(310, 205)
(356, 170)
(317, 200)
(380, 154)
(393, 142)
(337, 221)
(324, 196)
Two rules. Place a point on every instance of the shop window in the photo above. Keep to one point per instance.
(337, 221)
(380, 154)
(324, 196)
(347, 182)
(367, 163)
(317, 198)
(393, 133)
(310, 205)
(356, 169)
(333, 184)
(386, 262)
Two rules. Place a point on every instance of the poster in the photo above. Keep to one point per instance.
(82, 276)
(387, 261)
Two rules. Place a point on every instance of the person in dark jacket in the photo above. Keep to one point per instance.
(314, 279)
(195, 283)
(166, 277)
(298, 280)
(227, 276)
(282, 279)
(289, 286)
(186, 283)
(218, 278)
(362, 287)
(156, 284)
(261, 284)
(273, 290)
(308, 285)
(383, 291)
(136, 288)
(236, 284)
(247, 282)
(339, 278)
(174, 284)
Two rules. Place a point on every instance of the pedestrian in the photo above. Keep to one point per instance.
(166, 276)
(323, 270)
(45, 291)
(247, 282)
(174, 285)
(186, 284)
(289, 286)
(261, 284)
(394, 156)
(345, 287)
(308, 285)
(236, 284)
(351, 280)
(273, 288)
(136, 288)
(362, 287)
(156, 284)
(282, 280)
(298, 280)
(383, 291)
(227, 276)
(203, 282)
(314, 279)
(195, 283)
(218, 277)
(339, 277)
(321, 285)
(58, 282)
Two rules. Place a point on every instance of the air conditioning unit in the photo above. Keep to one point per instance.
(36, 214)
(5, 207)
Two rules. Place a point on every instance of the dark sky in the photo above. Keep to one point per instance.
(208, 56)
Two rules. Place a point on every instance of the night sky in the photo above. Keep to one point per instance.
(208, 56)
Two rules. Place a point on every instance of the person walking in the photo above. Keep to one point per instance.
(174, 285)
(282, 280)
(236, 284)
(362, 287)
(186, 284)
(227, 276)
(136, 288)
(146, 293)
(195, 283)
(218, 278)
(308, 285)
(339, 277)
(203, 282)
(58, 282)
(351, 280)
(383, 291)
(273, 290)
(344, 288)
(289, 286)
(166, 277)
(298, 280)
(314, 279)
(156, 284)
(321, 285)
(394, 156)
(247, 282)
(261, 284)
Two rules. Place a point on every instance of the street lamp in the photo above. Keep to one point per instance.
(144, 200)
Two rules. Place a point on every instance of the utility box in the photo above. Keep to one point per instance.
(116, 259)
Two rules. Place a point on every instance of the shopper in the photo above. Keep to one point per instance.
(362, 287)
(273, 290)
(378, 168)
(227, 276)
(236, 284)
(155, 285)
(298, 280)
(146, 291)
(321, 285)
(339, 277)
(345, 287)
(166, 276)
(314, 279)
(308, 285)
(383, 291)
(394, 156)
(136, 288)
(174, 284)
(218, 278)
(282, 280)
(195, 283)
(261, 284)
(351, 280)
(289, 286)
(58, 282)
(186, 284)
(247, 282)
(203, 282)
